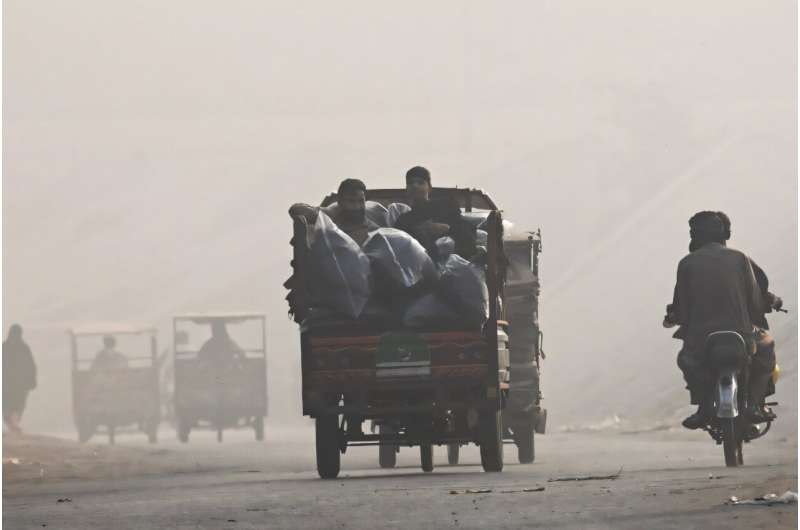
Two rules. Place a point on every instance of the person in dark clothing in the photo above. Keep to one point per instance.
(109, 359)
(19, 377)
(715, 290)
(220, 347)
(771, 301)
(349, 212)
(430, 219)
(764, 359)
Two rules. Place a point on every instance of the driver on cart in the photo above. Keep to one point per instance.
(109, 359)
(220, 348)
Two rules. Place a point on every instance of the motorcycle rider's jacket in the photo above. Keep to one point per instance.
(716, 290)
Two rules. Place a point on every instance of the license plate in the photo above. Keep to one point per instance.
(402, 355)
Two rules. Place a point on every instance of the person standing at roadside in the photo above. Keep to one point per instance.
(19, 377)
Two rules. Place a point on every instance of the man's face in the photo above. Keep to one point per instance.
(352, 205)
(418, 189)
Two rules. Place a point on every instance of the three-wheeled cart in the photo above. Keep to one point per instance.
(115, 399)
(220, 368)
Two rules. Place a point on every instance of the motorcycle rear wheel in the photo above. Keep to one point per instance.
(731, 443)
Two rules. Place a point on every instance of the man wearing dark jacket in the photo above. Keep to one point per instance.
(764, 359)
(19, 377)
(715, 290)
(430, 219)
(109, 359)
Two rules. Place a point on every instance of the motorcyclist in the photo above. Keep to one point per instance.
(763, 362)
(716, 290)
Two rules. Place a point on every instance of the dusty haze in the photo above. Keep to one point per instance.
(151, 150)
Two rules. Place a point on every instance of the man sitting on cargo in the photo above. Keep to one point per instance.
(429, 219)
(109, 359)
(348, 212)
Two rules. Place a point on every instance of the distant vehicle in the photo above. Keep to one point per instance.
(420, 387)
(523, 414)
(114, 398)
(221, 384)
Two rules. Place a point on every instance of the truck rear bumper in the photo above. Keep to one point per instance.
(381, 399)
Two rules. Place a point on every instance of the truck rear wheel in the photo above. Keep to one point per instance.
(387, 454)
(328, 453)
(491, 440)
(426, 457)
(453, 453)
(258, 427)
(523, 438)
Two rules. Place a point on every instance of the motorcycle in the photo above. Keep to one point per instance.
(729, 357)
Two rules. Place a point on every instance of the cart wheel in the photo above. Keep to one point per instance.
(152, 434)
(524, 438)
(453, 451)
(85, 432)
(184, 428)
(258, 427)
(327, 441)
(491, 440)
(426, 456)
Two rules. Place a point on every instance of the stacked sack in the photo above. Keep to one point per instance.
(393, 275)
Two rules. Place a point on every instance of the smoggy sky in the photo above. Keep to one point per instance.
(151, 150)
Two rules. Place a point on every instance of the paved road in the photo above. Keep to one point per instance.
(669, 480)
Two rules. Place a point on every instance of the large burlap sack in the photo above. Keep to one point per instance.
(394, 211)
(428, 311)
(463, 285)
(398, 260)
(340, 271)
(377, 213)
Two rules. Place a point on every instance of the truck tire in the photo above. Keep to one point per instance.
(491, 440)
(523, 438)
(184, 428)
(453, 453)
(258, 428)
(327, 440)
(426, 457)
(387, 454)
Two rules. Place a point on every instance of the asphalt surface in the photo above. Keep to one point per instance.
(668, 479)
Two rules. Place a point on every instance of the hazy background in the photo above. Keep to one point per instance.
(151, 150)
